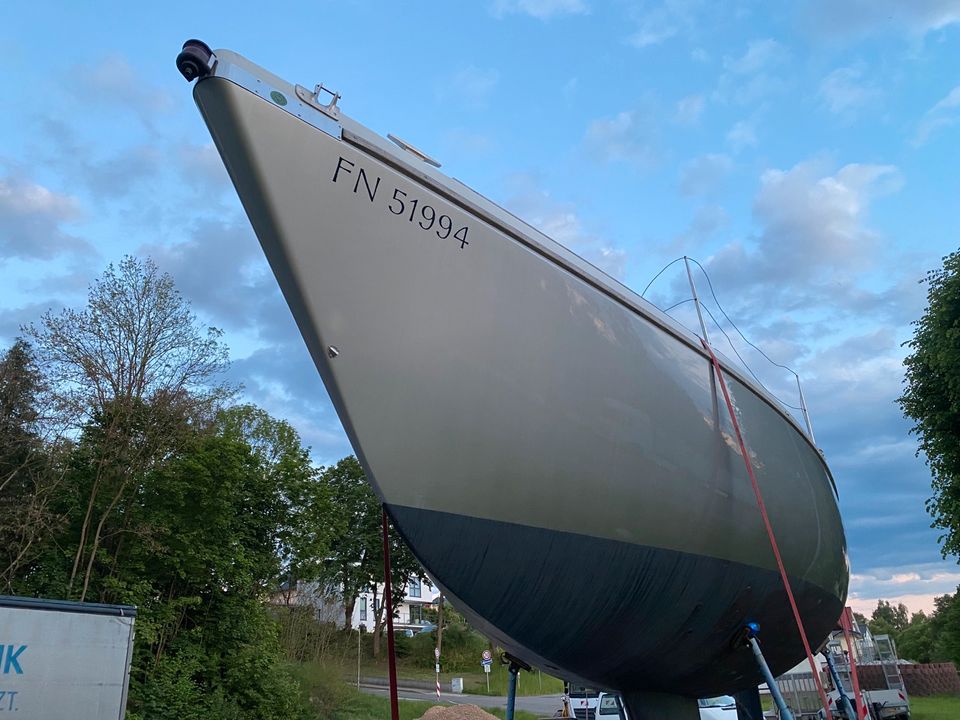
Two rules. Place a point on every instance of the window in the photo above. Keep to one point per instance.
(416, 615)
(609, 705)
(414, 588)
(363, 608)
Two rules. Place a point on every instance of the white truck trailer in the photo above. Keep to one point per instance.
(64, 660)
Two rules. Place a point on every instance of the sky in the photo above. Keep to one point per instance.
(804, 153)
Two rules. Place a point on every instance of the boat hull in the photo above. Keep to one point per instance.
(555, 453)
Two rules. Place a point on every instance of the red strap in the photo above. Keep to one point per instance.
(769, 528)
(847, 624)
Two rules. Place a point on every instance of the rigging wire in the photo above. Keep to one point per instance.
(678, 305)
(662, 270)
(744, 363)
(713, 293)
(734, 325)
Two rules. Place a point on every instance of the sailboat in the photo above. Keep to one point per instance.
(554, 449)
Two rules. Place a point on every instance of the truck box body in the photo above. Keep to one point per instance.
(64, 660)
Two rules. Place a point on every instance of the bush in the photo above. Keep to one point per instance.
(462, 648)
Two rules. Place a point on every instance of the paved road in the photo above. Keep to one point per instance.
(543, 705)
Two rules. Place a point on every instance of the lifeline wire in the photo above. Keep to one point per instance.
(662, 270)
(732, 324)
(744, 362)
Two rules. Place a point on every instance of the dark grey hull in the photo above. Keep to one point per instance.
(554, 449)
(619, 615)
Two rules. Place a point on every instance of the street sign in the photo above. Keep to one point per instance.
(486, 668)
(438, 667)
(436, 653)
(487, 655)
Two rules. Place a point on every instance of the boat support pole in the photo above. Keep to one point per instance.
(846, 622)
(513, 671)
(751, 630)
(388, 609)
(514, 666)
(844, 701)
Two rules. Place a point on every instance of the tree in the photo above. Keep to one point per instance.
(134, 369)
(916, 641)
(303, 541)
(889, 619)
(30, 465)
(355, 564)
(932, 396)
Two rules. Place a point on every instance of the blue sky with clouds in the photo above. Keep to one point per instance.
(806, 153)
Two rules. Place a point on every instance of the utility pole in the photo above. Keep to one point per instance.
(440, 624)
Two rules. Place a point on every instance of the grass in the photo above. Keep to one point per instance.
(936, 707)
(333, 699)
(474, 682)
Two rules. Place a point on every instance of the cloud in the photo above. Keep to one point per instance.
(663, 21)
(749, 79)
(560, 222)
(628, 137)
(12, 319)
(202, 167)
(106, 177)
(812, 228)
(843, 92)
(470, 86)
(839, 18)
(540, 9)
(223, 272)
(760, 55)
(705, 223)
(944, 113)
(743, 134)
(32, 219)
(113, 80)
(915, 587)
(704, 174)
(689, 109)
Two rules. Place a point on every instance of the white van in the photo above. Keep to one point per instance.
(722, 707)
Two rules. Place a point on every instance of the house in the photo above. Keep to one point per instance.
(410, 616)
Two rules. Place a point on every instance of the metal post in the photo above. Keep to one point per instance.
(835, 676)
(846, 622)
(785, 713)
(514, 671)
(803, 408)
(388, 599)
(696, 299)
(358, 658)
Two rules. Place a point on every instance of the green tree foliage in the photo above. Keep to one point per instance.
(126, 477)
(924, 638)
(916, 641)
(154, 495)
(889, 619)
(932, 395)
(133, 369)
(355, 562)
(29, 466)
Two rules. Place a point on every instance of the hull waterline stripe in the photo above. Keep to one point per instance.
(766, 523)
